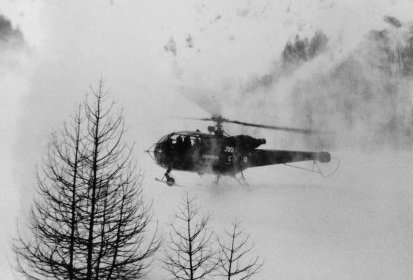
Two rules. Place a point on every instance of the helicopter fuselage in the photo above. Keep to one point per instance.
(221, 154)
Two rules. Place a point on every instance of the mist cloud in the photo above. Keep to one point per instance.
(14, 85)
(10, 37)
(353, 225)
(295, 54)
(364, 97)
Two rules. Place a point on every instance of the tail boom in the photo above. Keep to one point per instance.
(259, 157)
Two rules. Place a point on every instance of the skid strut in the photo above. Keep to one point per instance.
(170, 181)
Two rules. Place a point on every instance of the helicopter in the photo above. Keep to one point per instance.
(221, 154)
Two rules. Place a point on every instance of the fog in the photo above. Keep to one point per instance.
(356, 224)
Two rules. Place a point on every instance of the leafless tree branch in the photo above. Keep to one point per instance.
(234, 262)
(89, 220)
(189, 253)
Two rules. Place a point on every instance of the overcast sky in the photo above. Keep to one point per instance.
(357, 224)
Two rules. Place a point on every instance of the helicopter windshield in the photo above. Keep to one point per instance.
(193, 137)
(176, 143)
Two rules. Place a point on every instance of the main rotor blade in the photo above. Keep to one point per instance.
(283, 128)
(194, 119)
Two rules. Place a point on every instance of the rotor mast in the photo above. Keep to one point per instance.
(218, 129)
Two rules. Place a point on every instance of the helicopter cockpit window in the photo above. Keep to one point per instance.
(196, 140)
(179, 143)
(184, 142)
(187, 144)
(177, 140)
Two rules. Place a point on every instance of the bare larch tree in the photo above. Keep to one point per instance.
(235, 261)
(189, 252)
(89, 220)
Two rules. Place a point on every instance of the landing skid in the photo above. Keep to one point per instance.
(167, 179)
(169, 183)
(242, 181)
(216, 182)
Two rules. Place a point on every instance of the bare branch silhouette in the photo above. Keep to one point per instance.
(90, 220)
(234, 261)
(189, 254)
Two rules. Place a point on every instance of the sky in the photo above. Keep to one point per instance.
(356, 224)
